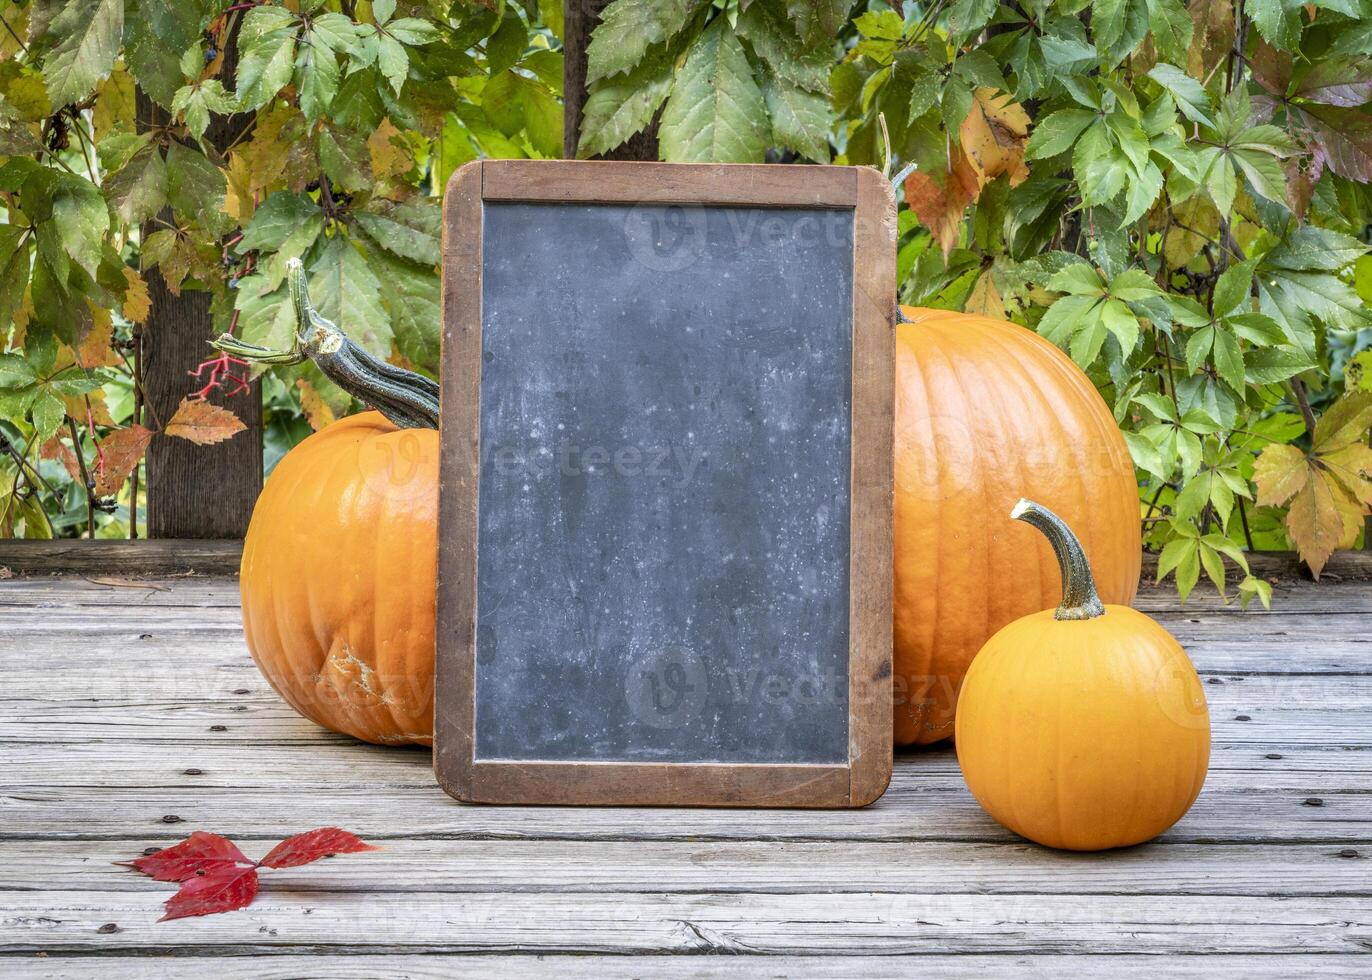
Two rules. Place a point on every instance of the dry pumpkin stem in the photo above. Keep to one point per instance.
(1079, 597)
(408, 399)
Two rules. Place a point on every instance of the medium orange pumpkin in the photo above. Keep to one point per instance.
(340, 560)
(987, 411)
(1083, 727)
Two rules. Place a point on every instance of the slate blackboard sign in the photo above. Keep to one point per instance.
(665, 506)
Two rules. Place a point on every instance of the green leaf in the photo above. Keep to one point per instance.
(968, 16)
(393, 62)
(1192, 99)
(1157, 404)
(1079, 279)
(716, 113)
(1057, 132)
(81, 218)
(764, 26)
(266, 46)
(621, 106)
(47, 412)
(316, 74)
(1171, 27)
(628, 28)
(274, 219)
(542, 119)
(88, 33)
(800, 119)
(195, 103)
(1108, 18)
(1276, 20)
(1233, 287)
(1133, 285)
(346, 291)
(1218, 178)
(195, 187)
(344, 158)
(1065, 317)
(506, 46)
(1100, 167)
(1120, 321)
(411, 229)
(15, 372)
(1228, 359)
(14, 269)
(410, 294)
(138, 189)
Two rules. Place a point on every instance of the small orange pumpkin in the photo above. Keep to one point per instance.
(340, 559)
(987, 411)
(1083, 727)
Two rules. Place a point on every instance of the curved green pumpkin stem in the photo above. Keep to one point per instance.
(1079, 597)
(408, 399)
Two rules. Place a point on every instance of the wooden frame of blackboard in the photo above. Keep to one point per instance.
(868, 770)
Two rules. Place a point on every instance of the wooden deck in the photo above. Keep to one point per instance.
(130, 716)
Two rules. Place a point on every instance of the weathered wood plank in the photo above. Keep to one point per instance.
(162, 556)
(912, 810)
(286, 966)
(745, 922)
(463, 867)
(1291, 596)
(230, 704)
(358, 766)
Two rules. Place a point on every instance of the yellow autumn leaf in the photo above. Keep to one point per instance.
(985, 298)
(317, 412)
(994, 135)
(95, 349)
(1329, 488)
(390, 155)
(137, 303)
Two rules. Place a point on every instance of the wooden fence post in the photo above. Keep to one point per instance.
(580, 18)
(194, 491)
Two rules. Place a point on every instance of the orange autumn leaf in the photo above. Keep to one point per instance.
(994, 135)
(991, 142)
(89, 408)
(317, 412)
(202, 423)
(117, 454)
(55, 448)
(939, 199)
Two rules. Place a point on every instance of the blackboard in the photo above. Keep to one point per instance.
(665, 480)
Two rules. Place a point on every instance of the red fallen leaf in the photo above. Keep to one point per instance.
(200, 852)
(216, 876)
(221, 890)
(304, 848)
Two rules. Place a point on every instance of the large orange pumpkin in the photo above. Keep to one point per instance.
(986, 412)
(338, 579)
(340, 560)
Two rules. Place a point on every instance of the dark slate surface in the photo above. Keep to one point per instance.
(663, 522)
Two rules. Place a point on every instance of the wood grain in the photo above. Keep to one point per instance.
(106, 749)
(113, 557)
(616, 182)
